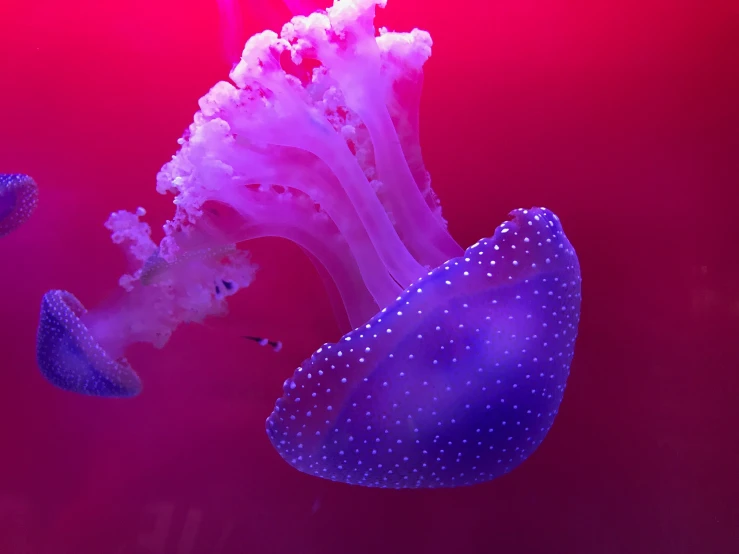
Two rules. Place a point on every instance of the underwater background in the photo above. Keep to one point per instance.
(621, 117)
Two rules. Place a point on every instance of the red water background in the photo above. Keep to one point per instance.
(621, 116)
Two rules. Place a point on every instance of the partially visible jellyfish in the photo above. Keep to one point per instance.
(317, 142)
(18, 200)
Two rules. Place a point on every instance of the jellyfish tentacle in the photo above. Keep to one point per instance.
(357, 64)
(281, 215)
(299, 126)
(262, 213)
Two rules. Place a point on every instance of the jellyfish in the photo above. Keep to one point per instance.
(72, 359)
(455, 360)
(18, 200)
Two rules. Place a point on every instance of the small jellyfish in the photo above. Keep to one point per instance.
(18, 200)
(72, 358)
(458, 359)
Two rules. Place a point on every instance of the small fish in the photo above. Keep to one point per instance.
(276, 345)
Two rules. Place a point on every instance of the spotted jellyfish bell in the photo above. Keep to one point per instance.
(455, 383)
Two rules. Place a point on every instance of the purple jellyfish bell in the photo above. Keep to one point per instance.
(458, 359)
(18, 200)
(454, 383)
(70, 357)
